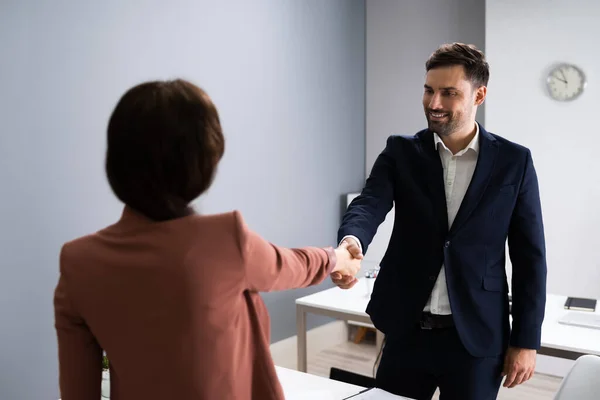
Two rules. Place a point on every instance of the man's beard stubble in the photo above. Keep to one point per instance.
(443, 128)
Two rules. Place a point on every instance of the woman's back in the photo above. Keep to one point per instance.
(172, 297)
(175, 306)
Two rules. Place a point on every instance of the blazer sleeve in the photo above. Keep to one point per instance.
(79, 354)
(527, 249)
(369, 209)
(269, 267)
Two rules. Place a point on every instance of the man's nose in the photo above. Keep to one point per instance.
(435, 103)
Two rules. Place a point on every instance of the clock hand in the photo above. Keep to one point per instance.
(563, 75)
(562, 80)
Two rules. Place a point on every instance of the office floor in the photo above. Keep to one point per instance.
(359, 358)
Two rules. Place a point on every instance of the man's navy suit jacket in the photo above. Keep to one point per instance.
(501, 202)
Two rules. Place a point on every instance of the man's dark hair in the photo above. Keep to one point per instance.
(164, 143)
(477, 70)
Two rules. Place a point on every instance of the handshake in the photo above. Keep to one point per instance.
(349, 256)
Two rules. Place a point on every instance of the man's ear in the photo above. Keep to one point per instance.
(480, 94)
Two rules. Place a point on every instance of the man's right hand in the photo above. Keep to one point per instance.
(348, 252)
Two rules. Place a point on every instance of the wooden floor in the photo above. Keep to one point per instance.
(360, 358)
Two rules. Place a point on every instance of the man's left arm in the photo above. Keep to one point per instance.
(527, 249)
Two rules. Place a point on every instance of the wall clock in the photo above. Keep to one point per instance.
(566, 82)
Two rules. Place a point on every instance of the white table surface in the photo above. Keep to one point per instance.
(353, 302)
(567, 337)
(302, 386)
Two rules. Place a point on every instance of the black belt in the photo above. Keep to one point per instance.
(435, 321)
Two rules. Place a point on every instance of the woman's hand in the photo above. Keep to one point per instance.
(347, 265)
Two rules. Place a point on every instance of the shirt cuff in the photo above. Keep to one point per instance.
(355, 238)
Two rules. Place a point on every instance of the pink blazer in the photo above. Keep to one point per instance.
(175, 305)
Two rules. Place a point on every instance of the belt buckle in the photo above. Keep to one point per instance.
(426, 325)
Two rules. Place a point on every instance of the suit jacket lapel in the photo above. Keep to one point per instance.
(434, 174)
(488, 151)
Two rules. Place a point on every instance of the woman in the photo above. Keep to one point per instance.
(170, 295)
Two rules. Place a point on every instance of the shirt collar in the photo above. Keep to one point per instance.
(473, 144)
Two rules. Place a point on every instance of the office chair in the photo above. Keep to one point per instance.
(352, 378)
(581, 383)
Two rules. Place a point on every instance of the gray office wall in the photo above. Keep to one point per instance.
(400, 37)
(289, 80)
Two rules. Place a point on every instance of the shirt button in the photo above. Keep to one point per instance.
(447, 244)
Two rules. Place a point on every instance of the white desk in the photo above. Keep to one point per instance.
(336, 303)
(558, 340)
(566, 341)
(302, 386)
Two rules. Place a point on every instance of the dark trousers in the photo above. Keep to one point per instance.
(417, 363)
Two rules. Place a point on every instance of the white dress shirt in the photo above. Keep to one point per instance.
(458, 171)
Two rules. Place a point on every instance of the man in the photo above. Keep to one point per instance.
(441, 297)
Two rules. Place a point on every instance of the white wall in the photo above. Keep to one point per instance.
(401, 35)
(523, 40)
(286, 75)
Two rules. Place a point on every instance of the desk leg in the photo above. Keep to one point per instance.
(301, 335)
(378, 339)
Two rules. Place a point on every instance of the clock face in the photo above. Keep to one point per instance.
(566, 82)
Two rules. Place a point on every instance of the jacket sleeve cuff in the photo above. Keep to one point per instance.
(530, 340)
(332, 259)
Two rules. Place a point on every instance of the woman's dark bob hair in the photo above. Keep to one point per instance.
(164, 143)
